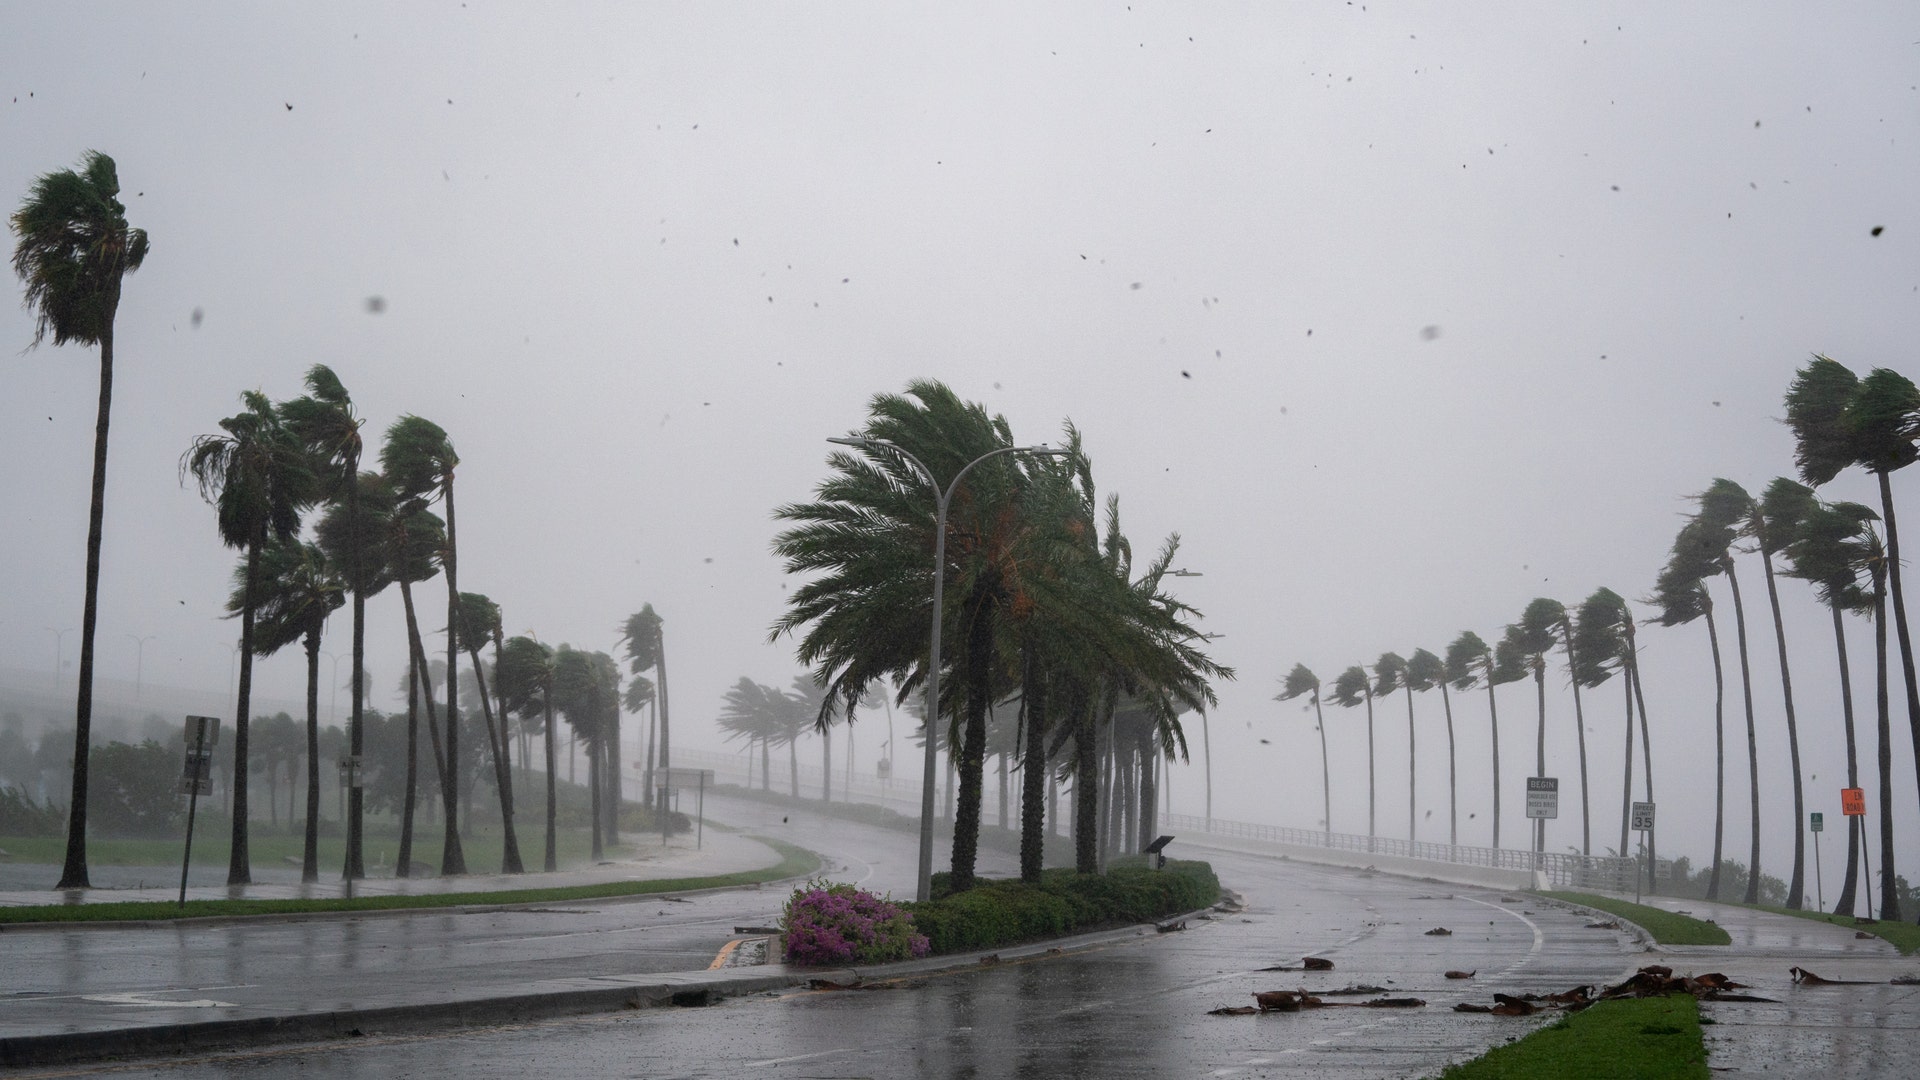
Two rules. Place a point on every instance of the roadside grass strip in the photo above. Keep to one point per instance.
(1666, 927)
(1904, 936)
(794, 862)
(1642, 1039)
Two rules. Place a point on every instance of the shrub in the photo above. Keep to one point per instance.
(996, 913)
(836, 923)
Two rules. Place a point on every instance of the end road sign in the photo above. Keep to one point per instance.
(1853, 801)
(1543, 796)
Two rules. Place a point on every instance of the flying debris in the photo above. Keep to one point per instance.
(376, 304)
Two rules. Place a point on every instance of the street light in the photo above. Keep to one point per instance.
(930, 769)
(139, 659)
(333, 694)
(59, 645)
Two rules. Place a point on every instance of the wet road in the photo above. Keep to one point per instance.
(1137, 1008)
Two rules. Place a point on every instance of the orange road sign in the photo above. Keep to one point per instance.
(1853, 801)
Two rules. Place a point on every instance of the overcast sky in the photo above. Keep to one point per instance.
(1400, 314)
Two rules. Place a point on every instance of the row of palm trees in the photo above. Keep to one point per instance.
(1042, 602)
(1839, 420)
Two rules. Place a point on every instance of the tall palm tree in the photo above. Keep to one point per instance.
(479, 625)
(586, 690)
(1832, 551)
(1880, 563)
(1725, 506)
(420, 461)
(1840, 420)
(298, 591)
(1774, 524)
(1680, 595)
(74, 247)
(1424, 672)
(1470, 662)
(1532, 638)
(1351, 688)
(644, 638)
(324, 420)
(1390, 674)
(524, 676)
(1302, 680)
(414, 540)
(257, 476)
(1602, 628)
(750, 711)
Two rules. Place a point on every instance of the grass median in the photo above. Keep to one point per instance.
(794, 862)
(1666, 927)
(1642, 1039)
(1904, 936)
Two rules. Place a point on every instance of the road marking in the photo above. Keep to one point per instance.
(796, 1057)
(720, 959)
(148, 1001)
(1539, 938)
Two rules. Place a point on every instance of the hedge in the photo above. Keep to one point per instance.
(997, 913)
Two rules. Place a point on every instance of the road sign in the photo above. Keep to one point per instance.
(1819, 821)
(196, 773)
(1642, 816)
(350, 769)
(1543, 796)
(1853, 801)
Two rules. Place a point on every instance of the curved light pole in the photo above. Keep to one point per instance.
(930, 770)
(333, 690)
(139, 659)
(59, 653)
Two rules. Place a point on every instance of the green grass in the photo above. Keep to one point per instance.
(1666, 927)
(1629, 1039)
(794, 862)
(1904, 936)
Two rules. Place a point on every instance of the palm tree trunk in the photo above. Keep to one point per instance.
(73, 875)
(1753, 743)
(1326, 774)
(1899, 624)
(826, 765)
(973, 747)
(1370, 784)
(1033, 772)
(1493, 721)
(653, 733)
(452, 859)
(593, 797)
(1086, 796)
(1646, 754)
(1540, 746)
(1843, 904)
(793, 766)
(239, 868)
(550, 863)
(1579, 730)
(766, 766)
(1889, 890)
(1719, 750)
(1453, 781)
(502, 778)
(1411, 775)
(1626, 792)
(403, 860)
(666, 727)
(1797, 885)
(356, 866)
(310, 844)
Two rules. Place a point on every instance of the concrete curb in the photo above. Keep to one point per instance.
(538, 1001)
(1640, 933)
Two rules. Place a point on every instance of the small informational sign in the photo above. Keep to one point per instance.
(1853, 801)
(1642, 816)
(196, 773)
(1543, 797)
(1819, 821)
(350, 772)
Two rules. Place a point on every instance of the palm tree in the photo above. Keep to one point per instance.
(751, 711)
(298, 590)
(1390, 674)
(74, 248)
(1681, 596)
(1725, 506)
(1470, 662)
(524, 676)
(419, 459)
(814, 705)
(480, 624)
(1602, 627)
(1350, 688)
(258, 477)
(1840, 420)
(324, 421)
(1424, 672)
(1774, 524)
(586, 690)
(1834, 549)
(646, 648)
(1300, 681)
(1532, 638)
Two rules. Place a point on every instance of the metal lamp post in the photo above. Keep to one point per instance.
(139, 659)
(59, 653)
(930, 770)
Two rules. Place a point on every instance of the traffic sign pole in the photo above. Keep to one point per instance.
(1819, 889)
(201, 731)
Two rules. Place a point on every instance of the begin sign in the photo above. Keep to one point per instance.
(1543, 796)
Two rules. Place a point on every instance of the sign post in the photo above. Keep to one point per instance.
(1853, 806)
(671, 780)
(1819, 889)
(196, 779)
(350, 779)
(1543, 803)
(1642, 824)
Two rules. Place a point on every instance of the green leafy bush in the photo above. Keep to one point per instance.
(996, 913)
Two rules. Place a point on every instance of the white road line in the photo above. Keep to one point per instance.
(1539, 937)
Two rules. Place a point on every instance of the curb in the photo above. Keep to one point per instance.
(560, 997)
(1640, 933)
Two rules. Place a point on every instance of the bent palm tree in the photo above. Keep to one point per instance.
(1724, 506)
(1532, 638)
(1351, 688)
(1300, 681)
(1775, 523)
(1470, 662)
(524, 676)
(258, 477)
(1681, 595)
(644, 637)
(1424, 672)
(1390, 674)
(480, 624)
(298, 591)
(74, 247)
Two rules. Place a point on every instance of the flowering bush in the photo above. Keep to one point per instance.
(836, 923)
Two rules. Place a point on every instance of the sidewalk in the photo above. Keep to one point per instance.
(719, 852)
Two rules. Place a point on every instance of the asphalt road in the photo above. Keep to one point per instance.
(1136, 1008)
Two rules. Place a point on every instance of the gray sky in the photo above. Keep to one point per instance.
(640, 261)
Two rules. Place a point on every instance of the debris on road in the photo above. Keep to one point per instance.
(1604, 925)
(1316, 963)
(1463, 974)
(1172, 927)
(1356, 990)
(1803, 977)
(1439, 931)
(1296, 1000)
